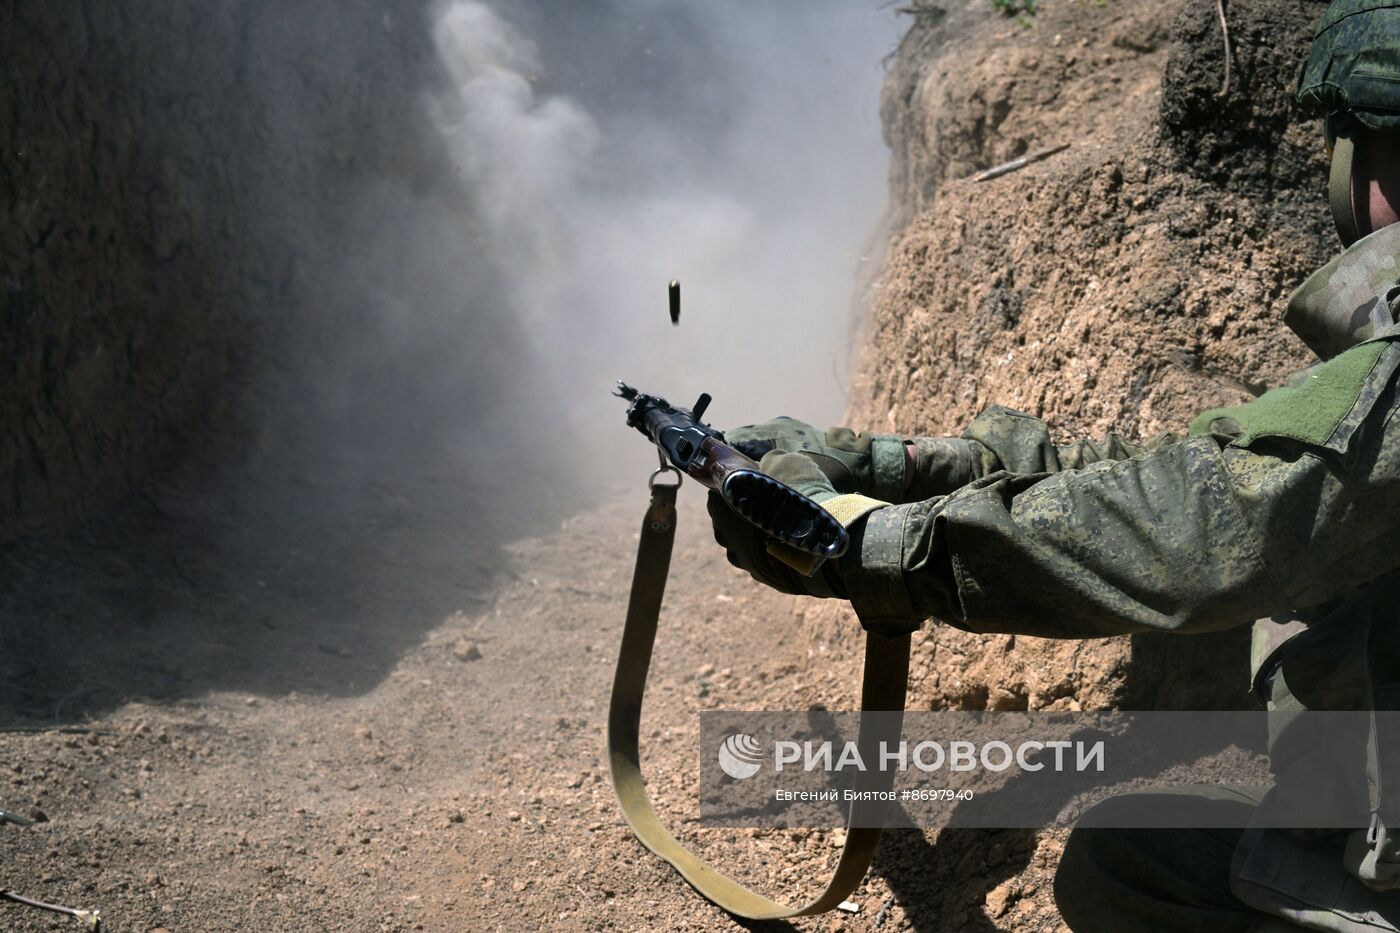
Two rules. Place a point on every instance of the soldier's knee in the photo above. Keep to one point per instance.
(1151, 880)
(1078, 885)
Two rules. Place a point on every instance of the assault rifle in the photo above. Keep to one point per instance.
(803, 535)
(689, 446)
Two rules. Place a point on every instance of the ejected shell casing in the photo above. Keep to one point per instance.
(675, 291)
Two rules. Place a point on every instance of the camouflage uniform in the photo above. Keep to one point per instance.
(1284, 508)
(1287, 502)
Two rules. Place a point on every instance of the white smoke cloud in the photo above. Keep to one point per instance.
(522, 156)
(763, 219)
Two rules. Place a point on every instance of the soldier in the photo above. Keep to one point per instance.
(1286, 510)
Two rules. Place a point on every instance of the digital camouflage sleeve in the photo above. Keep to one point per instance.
(1279, 504)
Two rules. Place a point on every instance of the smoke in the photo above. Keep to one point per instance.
(491, 252)
(523, 156)
(733, 146)
(399, 254)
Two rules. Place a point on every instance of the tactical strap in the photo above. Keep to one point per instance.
(883, 689)
(846, 509)
(1339, 196)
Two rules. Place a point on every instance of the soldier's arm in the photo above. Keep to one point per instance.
(898, 468)
(1003, 439)
(1284, 503)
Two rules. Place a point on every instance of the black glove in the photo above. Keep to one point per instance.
(747, 547)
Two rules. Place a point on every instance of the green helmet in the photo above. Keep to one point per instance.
(1354, 66)
(1353, 73)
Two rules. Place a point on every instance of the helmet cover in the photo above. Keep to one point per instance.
(1354, 65)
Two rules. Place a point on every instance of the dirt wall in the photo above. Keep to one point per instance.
(180, 183)
(1128, 283)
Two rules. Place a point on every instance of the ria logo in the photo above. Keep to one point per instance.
(740, 756)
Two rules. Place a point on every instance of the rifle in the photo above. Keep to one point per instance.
(804, 534)
(687, 446)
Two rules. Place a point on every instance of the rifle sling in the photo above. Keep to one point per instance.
(883, 689)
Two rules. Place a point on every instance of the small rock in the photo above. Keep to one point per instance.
(457, 816)
(466, 651)
(37, 815)
(999, 898)
(838, 839)
(518, 886)
(705, 670)
(513, 816)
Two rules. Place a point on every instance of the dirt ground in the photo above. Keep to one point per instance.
(322, 750)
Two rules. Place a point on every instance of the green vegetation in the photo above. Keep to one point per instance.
(1014, 7)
